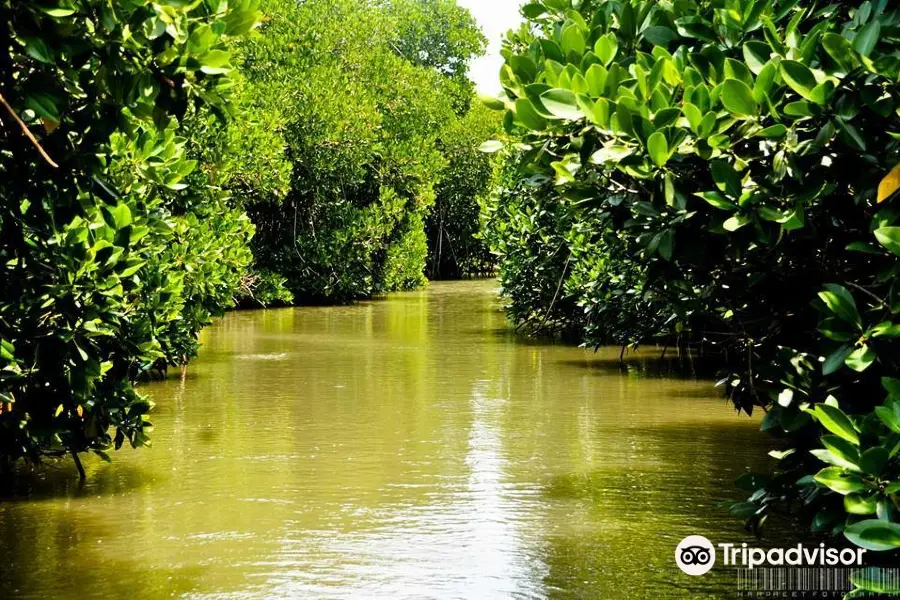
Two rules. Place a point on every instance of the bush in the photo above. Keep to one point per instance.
(713, 174)
(453, 224)
(362, 94)
(111, 262)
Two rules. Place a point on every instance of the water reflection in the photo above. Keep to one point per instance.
(394, 449)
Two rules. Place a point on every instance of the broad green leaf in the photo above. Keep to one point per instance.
(756, 55)
(43, 105)
(491, 146)
(799, 77)
(717, 200)
(834, 420)
(572, 40)
(528, 116)
(606, 48)
(844, 450)
(874, 460)
(773, 132)
(596, 79)
(861, 358)
(858, 504)
(836, 359)
(851, 135)
(693, 115)
(841, 50)
(726, 178)
(889, 237)
(660, 35)
(736, 222)
(841, 303)
(874, 534)
(562, 104)
(840, 481)
(215, 62)
(867, 38)
(658, 148)
(738, 98)
(492, 102)
(122, 216)
(37, 49)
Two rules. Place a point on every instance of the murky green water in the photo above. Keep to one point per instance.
(406, 448)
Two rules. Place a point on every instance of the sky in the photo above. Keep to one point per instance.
(495, 17)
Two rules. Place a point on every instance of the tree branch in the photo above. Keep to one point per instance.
(28, 133)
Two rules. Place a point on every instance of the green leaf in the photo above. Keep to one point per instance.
(57, 11)
(861, 358)
(840, 481)
(726, 178)
(693, 115)
(596, 78)
(867, 38)
(122, 215)
(874, 460)
(660, 35)
(562, 104)
(658, 148)
(834, 420)
(836, 359)
(773, 132)
(528, 116)
(533, 11)
(215, 62)
(736, 222)
(841, 302)
(666, 244)
(850, 135)
(874, 534)
(492, 102)
(606, 48)
(844, 450)
(717, 200)
(37, 49)
(889, 237)
(572, 40)
(738, 98)
(756, 55)
(43, 105)
(798, 77)
(856, 504)
(841, 50)
(491, 147)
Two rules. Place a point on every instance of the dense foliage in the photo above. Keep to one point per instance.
(368, 104)
(110, 262)
(722, 175)
(453, 223)
(136, 138)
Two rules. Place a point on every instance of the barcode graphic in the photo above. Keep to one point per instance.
(810, 579)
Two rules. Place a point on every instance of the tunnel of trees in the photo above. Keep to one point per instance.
(715, 177)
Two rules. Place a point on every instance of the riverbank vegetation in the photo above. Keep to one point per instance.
(164, 160)
(722, 178)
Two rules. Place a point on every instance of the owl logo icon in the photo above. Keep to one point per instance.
(695, 555)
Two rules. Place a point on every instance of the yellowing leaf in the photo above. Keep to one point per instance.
(889, 184)
(59, 410)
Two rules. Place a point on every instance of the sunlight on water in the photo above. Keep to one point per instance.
(407, 448)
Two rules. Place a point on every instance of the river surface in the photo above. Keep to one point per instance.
(411, 447)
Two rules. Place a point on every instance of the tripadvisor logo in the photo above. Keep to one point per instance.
(695, 555)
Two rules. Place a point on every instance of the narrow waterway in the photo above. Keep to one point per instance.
(412, 447)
